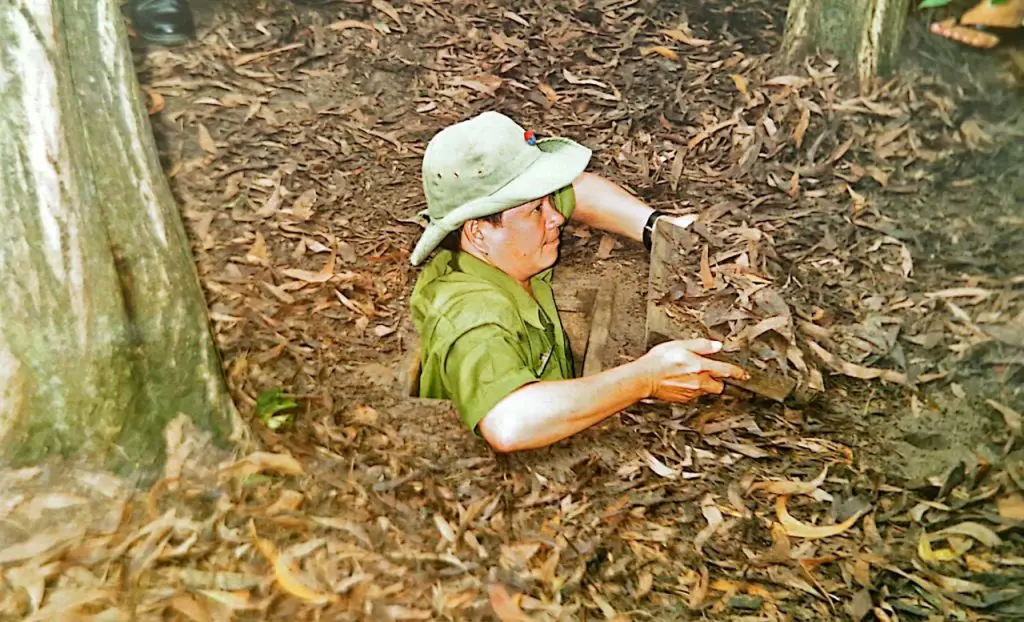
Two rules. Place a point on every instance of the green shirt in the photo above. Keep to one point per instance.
(482, 336)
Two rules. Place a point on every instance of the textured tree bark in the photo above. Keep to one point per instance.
(864, 35)
(104, 335)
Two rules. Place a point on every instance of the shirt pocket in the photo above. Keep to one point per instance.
(542, 350)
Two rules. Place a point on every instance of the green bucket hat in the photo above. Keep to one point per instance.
(486, 165)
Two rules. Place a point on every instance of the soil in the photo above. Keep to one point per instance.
(306, 159)
(962, 221)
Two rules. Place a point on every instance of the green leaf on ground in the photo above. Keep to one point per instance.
(933, 4)
(270, 407)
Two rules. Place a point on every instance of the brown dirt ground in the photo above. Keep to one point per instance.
(649, 515)
(372, 213)
(343, 115)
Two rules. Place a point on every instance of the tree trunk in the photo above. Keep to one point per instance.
(104, 335)
(864, 35)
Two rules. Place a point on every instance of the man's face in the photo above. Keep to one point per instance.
(527, 240)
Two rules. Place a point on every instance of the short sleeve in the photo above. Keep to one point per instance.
(565, 201)
(483, 367)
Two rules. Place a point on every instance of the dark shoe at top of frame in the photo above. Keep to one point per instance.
(162, 22)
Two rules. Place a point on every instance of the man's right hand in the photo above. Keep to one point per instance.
(679, 373)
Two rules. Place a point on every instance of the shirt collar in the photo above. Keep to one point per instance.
(527, 306)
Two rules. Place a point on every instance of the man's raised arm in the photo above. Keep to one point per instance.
(605, 205)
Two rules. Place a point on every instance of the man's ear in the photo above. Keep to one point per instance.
(473, 236)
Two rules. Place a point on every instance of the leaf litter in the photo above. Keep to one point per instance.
(298, 179)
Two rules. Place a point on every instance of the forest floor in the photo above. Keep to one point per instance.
(870, 246)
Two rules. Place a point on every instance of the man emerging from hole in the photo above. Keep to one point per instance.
(491, 338)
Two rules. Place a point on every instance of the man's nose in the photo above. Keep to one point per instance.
(554, 217)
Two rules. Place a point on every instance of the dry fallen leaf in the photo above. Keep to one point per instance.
(191, 608)
(302, 208)
(780, 324)
(855, 371)
(660, 50)
(63, 603)
(801, 125)
(790, 487)
(155, 101)
(205, 140)
(974, 136)
(954, 585)
(306, 275)
(42, 542)
(257, 253)
(346, 24)
(518, 556)
(505, 606)
(797, 529)
(384, 7)
(658, 466)
(700, 591)
(1011, 507)
(487, 84)
(289, 501)
(548, 92)
(974, 530)
(347, 252)
(48, 502)
(678, 35)
(644, 585)
(977, 294)
(706, 278)
(677, 170)
(516, 18)
(261, 461)
(572, 78)
(606, 608)
(859, 202)
(605, 247)
(286, 575)
(236, 600)
(741, 84)
(345, 525)
(32, 579)
(906, 261)
(245, 59)
(708, 132)
(398, 612)
(444, 528)
(931, 555)
(1011, 417)
(715, 521)
(364, 415)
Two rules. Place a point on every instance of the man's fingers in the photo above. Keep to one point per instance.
(702, 346)
(699, 382)
(692, 382)
(710, 385)
(707, 346)
(720, 369)
(688, 387)
(672, 392)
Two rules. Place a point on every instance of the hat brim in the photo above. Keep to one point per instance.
(562, 160)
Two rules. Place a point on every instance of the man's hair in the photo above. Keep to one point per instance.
(452, 240)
